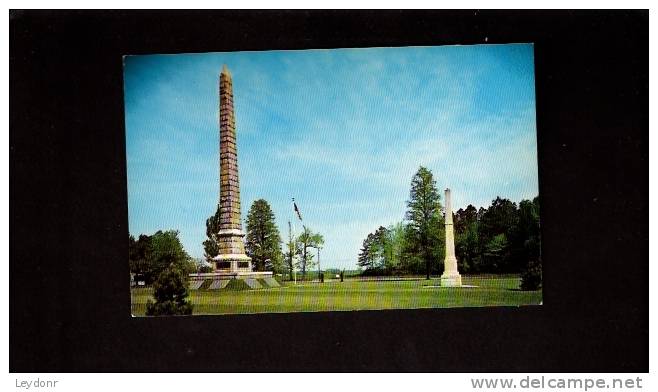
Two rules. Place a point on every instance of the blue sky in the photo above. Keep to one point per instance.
(343, 131)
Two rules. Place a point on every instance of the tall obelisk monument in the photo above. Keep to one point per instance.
(231, 257)
(450, 277)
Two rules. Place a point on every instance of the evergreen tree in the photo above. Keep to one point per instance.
(531, 278)
(263, 241)
(170, 291)
(366, 259)
(425, 220)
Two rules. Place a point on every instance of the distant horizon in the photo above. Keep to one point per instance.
(342, 131)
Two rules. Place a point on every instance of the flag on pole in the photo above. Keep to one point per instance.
(299, 215)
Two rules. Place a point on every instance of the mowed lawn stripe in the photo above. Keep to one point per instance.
(354, 295)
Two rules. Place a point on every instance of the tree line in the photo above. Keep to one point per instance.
(501, 238)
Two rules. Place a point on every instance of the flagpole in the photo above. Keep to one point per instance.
(290, 249)
(319, 269)
(299, 215)
(294, 269)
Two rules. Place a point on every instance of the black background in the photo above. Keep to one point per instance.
(69, 296)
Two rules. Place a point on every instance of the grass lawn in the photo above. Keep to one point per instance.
(354, 295)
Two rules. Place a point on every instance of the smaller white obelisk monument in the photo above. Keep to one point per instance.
(450, 277)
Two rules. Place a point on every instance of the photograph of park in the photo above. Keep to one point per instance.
(332, 180)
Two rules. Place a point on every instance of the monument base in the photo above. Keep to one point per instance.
(253, 280)
(232, 263)
(231, 275)
(451, 280)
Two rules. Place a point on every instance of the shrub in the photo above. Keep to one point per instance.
(170, 291)
(531, 277)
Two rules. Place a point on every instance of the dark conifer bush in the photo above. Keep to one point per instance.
(170, 291)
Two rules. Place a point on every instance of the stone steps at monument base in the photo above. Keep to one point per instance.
(234, 284)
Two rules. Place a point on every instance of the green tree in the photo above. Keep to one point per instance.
(395, 248)
(150, 255)
(501, 218)
(466, 239)
(307, 239)
(528, 229)
(366, 259)
(167, 250)
(425, 220)
(211, 244)
(382, 249)
(291, 253)
(170, 291)
(378, 252)
(494, 253)
(263, 241)
(531, 277)
(463, 218)
(139, 257)
(412, 261)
